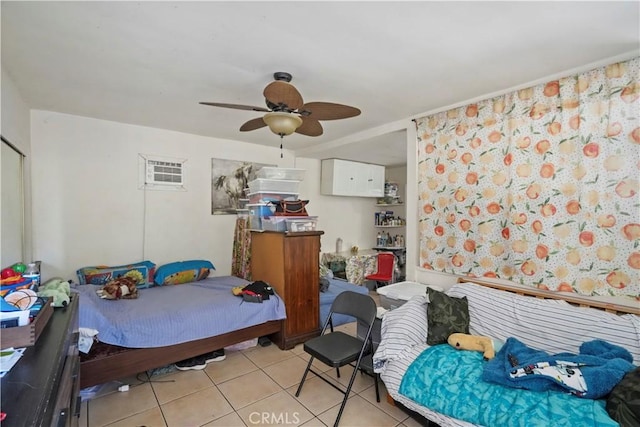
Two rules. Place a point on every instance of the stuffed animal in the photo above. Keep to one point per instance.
(121, 287)
(473, 342)
(58, 289)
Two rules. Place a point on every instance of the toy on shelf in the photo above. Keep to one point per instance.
(58, 289)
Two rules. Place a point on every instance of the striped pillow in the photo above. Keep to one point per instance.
(551, 325)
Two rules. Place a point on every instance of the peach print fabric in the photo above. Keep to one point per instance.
(539, 186)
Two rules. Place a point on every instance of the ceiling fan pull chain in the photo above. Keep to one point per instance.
(281, 146)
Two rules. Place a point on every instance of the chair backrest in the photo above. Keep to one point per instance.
(360, 306)
(385, 263)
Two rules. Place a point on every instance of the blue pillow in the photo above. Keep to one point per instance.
(176, 273)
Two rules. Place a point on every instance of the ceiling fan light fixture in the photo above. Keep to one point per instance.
(282, 123)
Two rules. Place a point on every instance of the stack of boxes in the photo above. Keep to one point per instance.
(272, 185)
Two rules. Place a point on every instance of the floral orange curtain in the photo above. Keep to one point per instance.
(538, 186)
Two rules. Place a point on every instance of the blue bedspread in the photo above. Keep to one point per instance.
(449, 381)
(592, 374)
(173, 314)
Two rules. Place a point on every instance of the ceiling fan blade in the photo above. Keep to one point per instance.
(329, 110)
(236, 106)
(253, 124)
(310, 127)
(280, 92)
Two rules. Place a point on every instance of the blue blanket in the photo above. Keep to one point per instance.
(592, 374)
(173, 314)
(449, 381)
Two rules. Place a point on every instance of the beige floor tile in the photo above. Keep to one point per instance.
(117, 406)
(196, 409)
(83, 420)
(179, 384)
(249, 388)
(150, 417)
(298, 349)
(231, 420)
(278, 409)
(265, 356)
(317, 365)
(288, 372)
(316, 395)
(410, 422)
(358, 412)
(235, 365)
(370, 395)
(361, 382)
(315, 422)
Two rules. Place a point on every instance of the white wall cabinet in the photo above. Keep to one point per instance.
(346, 178)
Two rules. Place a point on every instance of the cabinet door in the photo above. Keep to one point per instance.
(338, 178)
(373, 176)
(345, 178)
(301, 254)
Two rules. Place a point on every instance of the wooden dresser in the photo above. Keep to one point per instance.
(42, 389)
(290, 263)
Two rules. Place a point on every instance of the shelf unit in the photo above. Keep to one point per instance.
(386, 212)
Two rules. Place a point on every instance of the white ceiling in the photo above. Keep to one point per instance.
(150, 63)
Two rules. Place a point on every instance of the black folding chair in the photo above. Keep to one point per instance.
(336, 348)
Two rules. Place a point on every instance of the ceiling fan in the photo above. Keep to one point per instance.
(286, 112)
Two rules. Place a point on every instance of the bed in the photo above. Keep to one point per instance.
(169, 323)
(336, 287)
(546, 322)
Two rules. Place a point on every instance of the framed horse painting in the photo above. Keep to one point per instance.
(229, 178)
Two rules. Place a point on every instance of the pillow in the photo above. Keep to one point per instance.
(623, 403)
(142, 271)
(446, 315)
(177, 273)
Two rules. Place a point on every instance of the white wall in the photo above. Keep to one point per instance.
(88, 210)
(14, 119)
(348, 218)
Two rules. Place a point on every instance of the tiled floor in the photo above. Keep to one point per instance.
(251, 387)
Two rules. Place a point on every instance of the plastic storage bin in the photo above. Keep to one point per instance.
(274, 223)
(393, 296)
(266, 196)
(281, 173)
(274, 185)
(256, 213)
(242, 203)
(297, 224)
(260, 209)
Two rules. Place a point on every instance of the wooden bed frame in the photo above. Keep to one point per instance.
(575, 299)
(113, 362)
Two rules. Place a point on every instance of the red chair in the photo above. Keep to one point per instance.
(386, 265)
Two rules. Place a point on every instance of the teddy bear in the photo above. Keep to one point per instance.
(473, 342)
(58, 289)
(121, 287)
